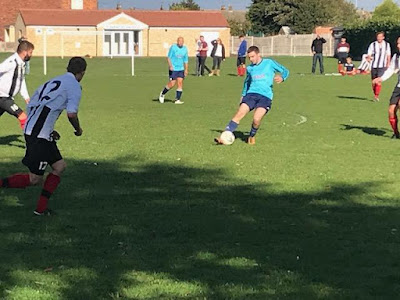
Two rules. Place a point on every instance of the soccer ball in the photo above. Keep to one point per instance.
(227, 137)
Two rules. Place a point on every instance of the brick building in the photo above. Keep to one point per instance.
(117, 33)
(10, 8)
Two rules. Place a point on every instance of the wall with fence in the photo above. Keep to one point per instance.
(290, 45)
(8, 46)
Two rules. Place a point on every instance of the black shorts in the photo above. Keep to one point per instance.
(241, 61)
(7, 104)
(377, 72)
(39, 154)
(395, 96)
(342, 58)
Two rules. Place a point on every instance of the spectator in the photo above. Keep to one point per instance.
(203, 56)
(342, 52)
(349, 68)
(316, 49)
(218, 55)
(241, 60)
(198, 47)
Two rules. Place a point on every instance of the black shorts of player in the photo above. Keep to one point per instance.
(241, 61)
(39, 154)
(173, 75)
(395, 96)
(7, 104)
(377, 72)
(342, 58)
(254, 100)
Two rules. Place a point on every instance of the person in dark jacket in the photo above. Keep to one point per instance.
(241, 59)
(218, 55)
(316, 49)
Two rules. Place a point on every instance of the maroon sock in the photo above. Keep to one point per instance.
(393, 123)
(16, 181)
(49, 187)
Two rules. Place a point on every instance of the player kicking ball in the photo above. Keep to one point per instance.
(395, 99)
(257, 91)
(46, 105)
(178, 69)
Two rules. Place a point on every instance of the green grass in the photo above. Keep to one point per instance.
(149, 208)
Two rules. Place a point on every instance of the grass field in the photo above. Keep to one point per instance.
(150, 208)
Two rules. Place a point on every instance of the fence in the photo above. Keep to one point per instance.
(291, 45)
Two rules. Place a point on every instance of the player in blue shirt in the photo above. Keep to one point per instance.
(178, 69)
(257, 91)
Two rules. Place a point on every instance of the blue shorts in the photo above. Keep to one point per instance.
(256, 100)
(173, 75)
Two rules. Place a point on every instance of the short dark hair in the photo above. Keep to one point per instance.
(25, 46)
(253, 49)
(76, 65)
(240, 36)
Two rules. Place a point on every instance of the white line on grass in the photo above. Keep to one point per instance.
(303, 120)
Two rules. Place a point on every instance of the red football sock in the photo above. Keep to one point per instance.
(239, 70)
(49, 187)
(16, 181)
(377, 90)
(22, 120)
(393, 123)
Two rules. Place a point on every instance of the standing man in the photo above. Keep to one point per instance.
(241, 59)
(48, 102)
(316, 49)
(12, 81)
(379, 51)
(394, 102)
(257, 91)
(198, 47)
(342, 51)
(203, 55)
(178, 69)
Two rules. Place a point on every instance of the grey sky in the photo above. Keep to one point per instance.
(211, 4)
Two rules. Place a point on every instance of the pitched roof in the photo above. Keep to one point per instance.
(155, 18)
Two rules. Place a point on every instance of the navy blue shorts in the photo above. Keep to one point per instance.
(173, 75)
(256, 100)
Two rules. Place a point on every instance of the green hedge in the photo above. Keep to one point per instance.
(360, 35)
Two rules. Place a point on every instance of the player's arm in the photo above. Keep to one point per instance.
(388, 56)
(169, 56)
(278, 68)
(24, 91)
(73, 100)
(186, 63)
(370, 51)
(246, 84)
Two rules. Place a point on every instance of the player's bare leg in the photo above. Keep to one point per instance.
(243, 110)
(49, 186)
(393, 119)
(259, 114)
(179, 91)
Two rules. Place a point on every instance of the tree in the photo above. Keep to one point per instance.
(301, 15)
(387, 10)
(238, 27)
(184, 5)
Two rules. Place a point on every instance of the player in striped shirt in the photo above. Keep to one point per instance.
(394, 103)
(47, 103)
(380, 53)
(365, 65)
(257, 91)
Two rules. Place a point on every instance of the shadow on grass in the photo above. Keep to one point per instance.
(150, 231)
(14, 140)
(367, 130)
(355, 98)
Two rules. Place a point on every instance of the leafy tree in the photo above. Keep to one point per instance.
(238, 27)
(184, 5)
(387, 10)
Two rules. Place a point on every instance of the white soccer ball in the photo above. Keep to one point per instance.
(227, 137)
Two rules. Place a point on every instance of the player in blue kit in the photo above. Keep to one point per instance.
(257, 91)
(178, 69)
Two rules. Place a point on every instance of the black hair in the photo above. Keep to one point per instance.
(76, 65)
(253, 49)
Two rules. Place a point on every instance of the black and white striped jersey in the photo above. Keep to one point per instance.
(12, 77)
(393, 68)
(365, 65)
(379, 52)
(49, 101)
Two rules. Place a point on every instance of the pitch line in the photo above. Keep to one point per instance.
(303, 119)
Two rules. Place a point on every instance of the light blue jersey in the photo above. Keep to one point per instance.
(260, 78)
(178, 56)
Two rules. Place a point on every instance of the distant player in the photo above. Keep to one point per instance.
(394, 100)
(342, 51)
(379, 51)
(12, 81)
(241, 59)
(365, 65)
(257, 91)
(178, 69)
(349, 68)
(47, 103)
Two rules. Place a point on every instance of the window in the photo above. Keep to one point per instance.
(76, 4)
